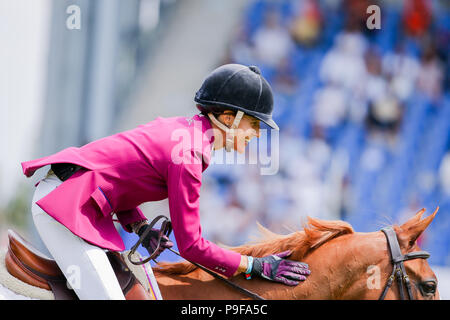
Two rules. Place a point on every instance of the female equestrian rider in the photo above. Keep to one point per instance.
(73, 205)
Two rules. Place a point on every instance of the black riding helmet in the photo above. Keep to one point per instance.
(237, 87)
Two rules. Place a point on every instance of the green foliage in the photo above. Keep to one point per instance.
(17, 212)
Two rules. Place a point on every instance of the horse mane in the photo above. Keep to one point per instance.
(315, 233)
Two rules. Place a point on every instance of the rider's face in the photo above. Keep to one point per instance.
(248, 129)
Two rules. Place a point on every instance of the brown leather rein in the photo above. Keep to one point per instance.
(166, 229)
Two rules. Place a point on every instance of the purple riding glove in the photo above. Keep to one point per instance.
(151, 241)
(277, 268)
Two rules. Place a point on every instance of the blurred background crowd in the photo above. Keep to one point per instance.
(364, 114)
(364, 117)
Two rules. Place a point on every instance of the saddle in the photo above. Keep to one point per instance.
(27, 264)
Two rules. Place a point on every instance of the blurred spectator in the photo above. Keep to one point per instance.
(417, 17)
(384, 109)
(329, 107)
(271, 42)
(431, 74)
(231, 228)
(285, 80)
(344, 64)
(356, 14)
(306, 26)
(248, 193)
(441, 38)
(305, 162)
(402, 70)
(384, 116)
(291, 146)
(376, 84)
(276, 202)
(318, 151)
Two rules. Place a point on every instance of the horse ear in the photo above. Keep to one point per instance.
(414, 227)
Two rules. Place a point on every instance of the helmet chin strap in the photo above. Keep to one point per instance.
(229, 131)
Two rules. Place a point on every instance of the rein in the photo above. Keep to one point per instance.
(230, 283)
(398, 268)
(166, 229)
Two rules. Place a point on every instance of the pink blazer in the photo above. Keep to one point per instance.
(164, 158)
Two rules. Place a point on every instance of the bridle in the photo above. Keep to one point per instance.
(398, 270)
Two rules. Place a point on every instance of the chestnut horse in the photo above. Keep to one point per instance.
(344, 265)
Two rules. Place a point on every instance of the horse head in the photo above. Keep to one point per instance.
(373, 254)
(423, 279)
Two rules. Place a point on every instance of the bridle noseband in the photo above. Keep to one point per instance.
(397, 258)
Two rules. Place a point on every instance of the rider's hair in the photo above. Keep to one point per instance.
(216, 111)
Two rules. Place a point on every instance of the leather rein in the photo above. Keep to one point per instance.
(166, 229)
(398, 267)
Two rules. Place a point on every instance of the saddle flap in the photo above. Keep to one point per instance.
(31, 257)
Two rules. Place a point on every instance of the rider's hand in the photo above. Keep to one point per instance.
(151, 240)
(276, 268)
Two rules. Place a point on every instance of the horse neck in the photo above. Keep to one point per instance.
(348, 264)
(336, 269)
(339, 267)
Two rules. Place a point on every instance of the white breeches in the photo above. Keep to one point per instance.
(85, 266)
